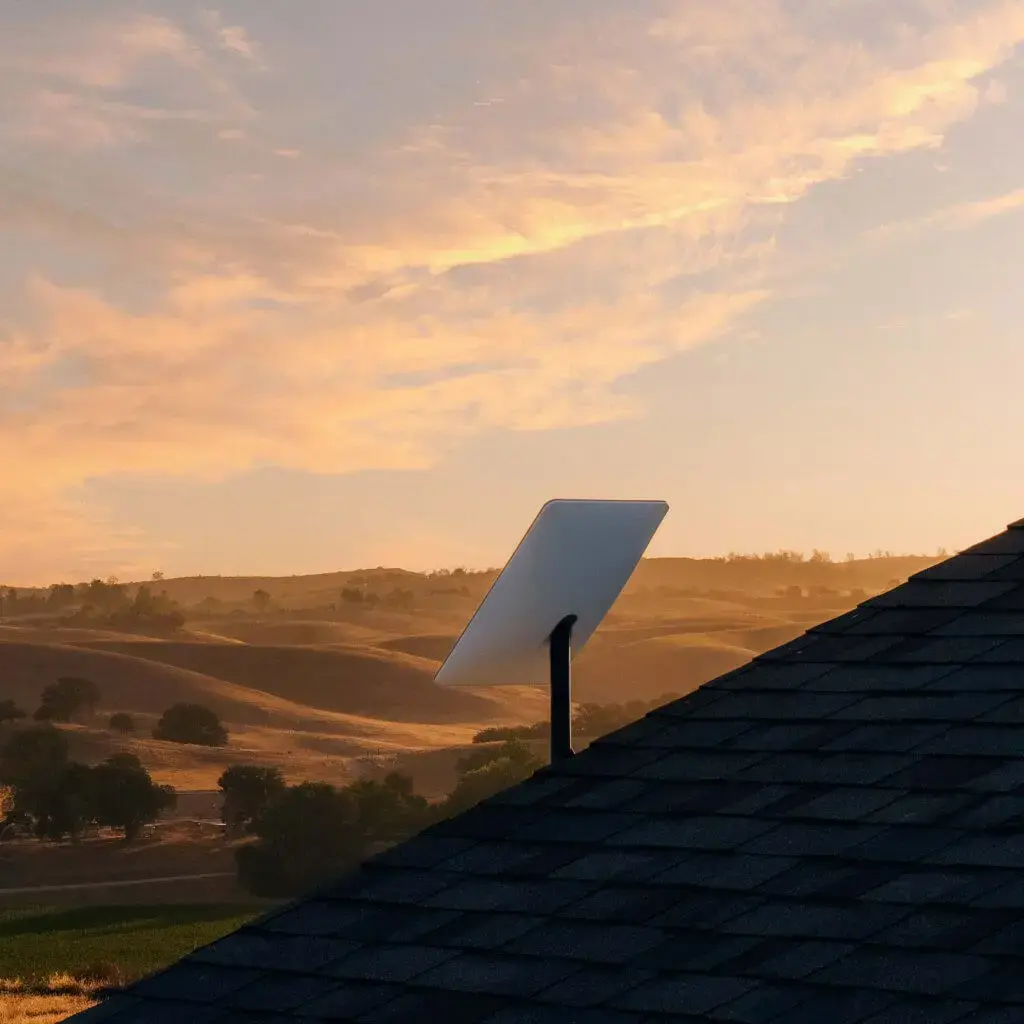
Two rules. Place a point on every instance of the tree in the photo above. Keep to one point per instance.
(121, 722)
(10, 712)
(260, 600)
(389, 810)
(307, 835)
(248, 790)
(480, 783)
(33, 756)
(191, 723)
(157, 576)
(62, 806)
(125, 797)
(68, 698)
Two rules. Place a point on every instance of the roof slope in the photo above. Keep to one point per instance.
(832, 833)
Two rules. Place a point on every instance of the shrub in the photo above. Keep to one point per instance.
(121, 722)
(191, 723)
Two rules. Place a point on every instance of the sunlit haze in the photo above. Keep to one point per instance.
(290, 288)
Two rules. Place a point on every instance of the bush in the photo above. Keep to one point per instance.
(33, 756)
(307, 835)
(248, 791)
(123, 795)
(67, 698)
(191, 723)
(10, 712)
(121, 722)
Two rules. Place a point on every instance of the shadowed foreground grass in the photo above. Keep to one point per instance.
(108, 944)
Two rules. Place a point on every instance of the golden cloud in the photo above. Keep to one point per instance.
(505, 267)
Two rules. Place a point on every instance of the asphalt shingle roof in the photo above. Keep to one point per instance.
(832, 833)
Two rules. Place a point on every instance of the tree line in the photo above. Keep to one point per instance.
(308, 833)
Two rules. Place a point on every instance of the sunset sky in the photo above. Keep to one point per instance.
(297, 287)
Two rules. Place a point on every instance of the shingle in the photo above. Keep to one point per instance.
(738, 871)
(998, 851)
(280, 992)
(172, 1011)
(388, 963)
(931, 973)
(491, 857)
(796, 959)
(1004, 652)
(940, 594)
(711, 832)
(1006, 941)
(699, 733)
(393, 885)
(812, 921)
(967, 567)
(829, 879)
(624, 903)
(577, 826)
(200, 983)
(904, 622)
(948, 929)
(885, 739)
(606, 794)
(350, 1000)
(424, 851)
(981, 740)
(492, 820)
(765, 1003)
(989, 812)
(807, 839)
(544, 897)
(825, 768)
(929, 707)
(590, 986)
(1009, 542)
(947, 650)
(698, 797)
(913, 1010)
(561, 1015)
(316, 917)
(1008, 711)
(685, 993)
(691, 767)
(706, 910)
(596, 942)
(1003, 983)
(794, 737)
(905, 843)
(928, 886)
(838, 1006)
(845, 803)
(608, 865)
(250, 948)
(417, 1006)
(978, 676)
(497, 974)
(876, 678)
(777, 706)
(921, 809)
(481, 930)
(983, 624)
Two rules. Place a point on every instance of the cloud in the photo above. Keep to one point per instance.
(506, 266)
(957, 217)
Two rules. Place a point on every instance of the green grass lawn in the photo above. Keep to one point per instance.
(37, 942)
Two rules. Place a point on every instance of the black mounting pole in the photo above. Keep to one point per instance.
(560, 650)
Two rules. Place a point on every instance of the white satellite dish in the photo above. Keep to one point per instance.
(554, 591)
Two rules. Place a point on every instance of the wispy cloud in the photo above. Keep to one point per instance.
(507, 265)
(957, 217)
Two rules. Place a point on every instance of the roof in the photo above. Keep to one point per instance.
(832, 833)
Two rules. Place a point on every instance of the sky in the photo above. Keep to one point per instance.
(291, 288)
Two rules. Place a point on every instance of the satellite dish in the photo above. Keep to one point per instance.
(554, 591)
